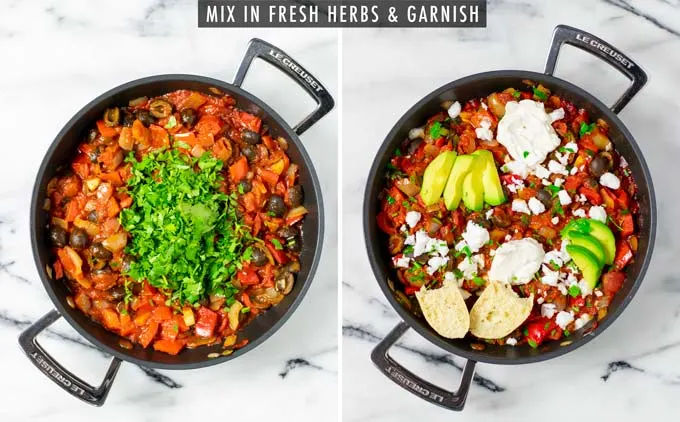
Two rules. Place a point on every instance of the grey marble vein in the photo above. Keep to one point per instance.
(629, 7)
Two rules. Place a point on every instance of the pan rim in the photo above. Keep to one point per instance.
(381, 276)
(36, 209)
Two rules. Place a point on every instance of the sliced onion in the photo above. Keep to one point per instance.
(116, 242)
(601, 140)
(409, 189)
(188, 315)
(137, 101)
(296, 212)
(59, 222)
(216, 302)
(91, 228)
(234, 314)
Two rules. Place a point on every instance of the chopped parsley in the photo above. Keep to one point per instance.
(566, 333)
(574, 290)
(586, 129)
(436, 130)
(565, 149)
(479, 281)
(397, 152)
(277, 245)
(554, 190)
(540, 94)
(390, 200)
(516, 94)
(408, 249)
(532, 343)
(406, 204)
(611, 220)
(525, 154)
(625, 212)
(185, 234)
(557, 208)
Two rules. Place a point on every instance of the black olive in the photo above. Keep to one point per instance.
(276, 206)
(125, 263)
(145, 117)
(188, 116)
(112, 117)
(250, 137)
(92, 134)
(249, 152)
(100, 252)
(284, 283)
(79, 239)
(422, 259)
(591, 182)
(287, 232)
(128, 119)
(92, 216)
(294, 244)
(117, 293)
(598, 166)
(258, 257)
(545, 197)
(245, 186)
(295, 196)
(58, 236)
(160, 108)
(413, 146)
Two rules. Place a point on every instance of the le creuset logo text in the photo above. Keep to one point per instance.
(55, 374)
(278, 56)
(607, 49)
(401, 378)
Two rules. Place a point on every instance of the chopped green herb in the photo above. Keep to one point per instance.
(185, 234)
(245, 310)
(458, 273)
(557, 208)
(467, 251)
(390, 200)
(554, 190)
(532, 343)
(586, 129)
(532, 184)
(240, 189)
(526, 332)
(566, 333)
(611, 220)
(575, 308)
(408, 249)
(626, 171)
(525, 219)
(479, 281)
(525, 154)
(574, 290)
(436, 130)
(546, 325)
(406, 204)
(625, 212)
(172, 122)
(564, 149)
(390, 166)
(540, 94)
(397, 152)
(516, 94)
(277, 245)
(590, 152)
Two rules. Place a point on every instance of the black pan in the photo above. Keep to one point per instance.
(61, 152)
(481, 85)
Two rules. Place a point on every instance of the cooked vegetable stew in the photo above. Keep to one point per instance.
(517, 165)
(177, 222)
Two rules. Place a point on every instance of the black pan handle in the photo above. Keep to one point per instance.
(278, 58)
(63, 377)
(564, 34)
(413, 383)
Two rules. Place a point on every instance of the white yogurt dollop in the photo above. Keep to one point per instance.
(516, 261)
(526, 132)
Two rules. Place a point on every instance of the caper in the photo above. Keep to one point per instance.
(79, 239)
(249, 152)
(58, 236)
(117, 292)
(112, 117)
(100, 252)
(295, 196)
(250, 137)
(145, 117)
(245, 186)
(276, 207)
(258, 257)
(160, 108)
(188, 116)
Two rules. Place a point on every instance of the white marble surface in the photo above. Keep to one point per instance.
(57, 56)
(630, 372)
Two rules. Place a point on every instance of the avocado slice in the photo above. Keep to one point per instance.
(473, 188)
(586, 262)
(493, 191)
(453, 192)
(589, 242)
(599, 231)
(435, 177)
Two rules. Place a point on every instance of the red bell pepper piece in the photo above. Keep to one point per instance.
(108, 132)
(171, 347)
(205, 325)
(627, 225)
(623, 255)
(592, 195)
(247, 277)
(239, 169)
(411, 290)
(148, 333)
(541, 329)
(250, 122)
(385, 224)
(612, 282)
(279, 255)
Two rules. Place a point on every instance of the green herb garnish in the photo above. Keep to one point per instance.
(532, 343)
(566, 333)
(390, 200)
(540, 94)
(397, 152)
(436, 130)
(185, 234)
(479, 281)
(586, 129)
(277, 245)
(525, 154)
(516, 94)
(574, 290)
(172, 122)
(554, 190)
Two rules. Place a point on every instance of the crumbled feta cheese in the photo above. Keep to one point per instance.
(492, 252)
(410, 240)
(585, 288)
(598, 293)
(507, 237)
(562, 158)
(484, 131)
(416, 133)
(520, 205)
(402, 262)
(469, 266)
(571, 280)
(540, 300)
(516, 261)
(454, 110)
(558, 182)
(581, 321)
(564, 318)
(449, 276)
(550, 277)
(403, 228)
(412, 218)
(563, 252)
(435, 263)
(573, 171)
(484, 106)
(556, 115)
(581, 198)
(556, 167)
(421, 244)
(553, 258)
(546, 182)
(548, 310)
(555, 220)
(565, 199)
(541, 172)
(579, 213)
(489, 213)
(517, 167)
(438, 246)
(536, 206)
(563, 290)
(511, 341)
(571, 147)
(610, 180)
(460, 245)
(598, 213)
(475, 235)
